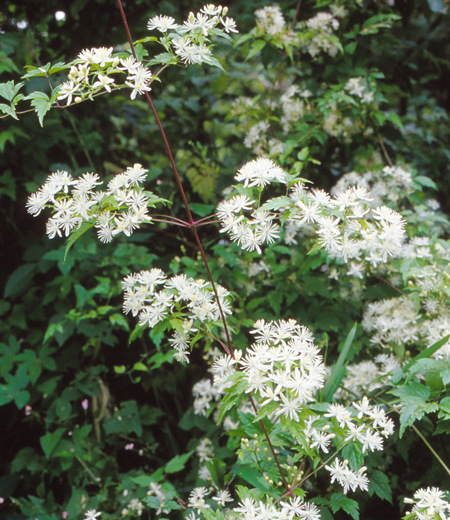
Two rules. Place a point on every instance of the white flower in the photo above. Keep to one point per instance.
(92, 514)
(161, 23)
(103, 81)
(67, 90)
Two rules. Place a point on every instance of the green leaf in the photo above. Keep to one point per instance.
(146, 40)
(217, 470)
(251, 475)
(379, 484)
(125, 420)
(41, 104)
(257, 45)
(6, 109)
(377, 22)
(163, 59)
(177, 463)
(50, 440)
(202, 209)
(36, 71)
(340, 501)
(444, 407)
(8, 90)
(140, 366)
(18, 279)
(276, 203)
(413, 392)
(338, 369)
(395, 119)
(85, 226)
(215, 63)
(427, 352)
(352, 453)
(425, 181)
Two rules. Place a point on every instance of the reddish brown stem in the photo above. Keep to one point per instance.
(191, 222)
(286, 485)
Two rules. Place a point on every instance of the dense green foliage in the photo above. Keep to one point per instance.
(95, 409)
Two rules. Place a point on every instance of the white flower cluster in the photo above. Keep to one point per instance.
(283, 366)
(429, 504)
(398, 322)
(194, 298)
(189, 41)
(91, 73)
(347, 478)
(391, 184)
(344, 226)
(357, 87)
(121, 209)
(134, 507)
(290, 509)
(198, 495)
(366, 376)
(292, 108)
(270, 20)
(157, 491)
(368, 425)
(251, 233)
(205, 450)
(204, 392)
(319, 36)
(342, 221)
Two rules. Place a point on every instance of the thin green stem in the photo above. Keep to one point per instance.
(80, 139)
(88, 471)
(431, 449)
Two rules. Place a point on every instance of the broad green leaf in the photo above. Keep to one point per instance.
(85, 226)
(7, 109)
(395, 119)
(340, 501)
(379, 484)
(177, 463)
(427, 352)
(257, 45)
(203, 210)
(251, 475)
(425, 181)
(50, 440)
(352, 452)
(140, 366)
(18, 279)
(41, 104)
(277, 203)
(36, 71)
(413, 392)
(217, 470)
(163, 59)
(8, 90)
(215, 63)
(125, 420)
